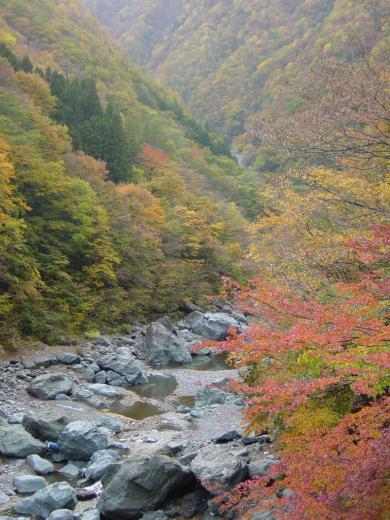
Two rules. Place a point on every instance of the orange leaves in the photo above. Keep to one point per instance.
(319, 374)
(153, 158)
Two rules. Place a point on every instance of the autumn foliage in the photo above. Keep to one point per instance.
(319, 379)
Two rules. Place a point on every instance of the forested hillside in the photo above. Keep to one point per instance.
(115, 202)
(303, 87)
(229, 60)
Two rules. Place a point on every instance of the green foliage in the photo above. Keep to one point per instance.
(230, 64)
(93, 130)
(82, 249)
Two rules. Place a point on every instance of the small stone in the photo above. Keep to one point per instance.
(16, 418)
(177, 446)
(197, 414)
(187, 458)
(4, 498)
(183, 409)
(70, 471)
(40, 465)
(64, 514)
(62, 397)
(105, 390)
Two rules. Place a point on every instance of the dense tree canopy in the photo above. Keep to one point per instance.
(107, 212)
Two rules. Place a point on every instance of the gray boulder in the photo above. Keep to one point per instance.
(210, 395)
(64, 514)
(46, 426)
(115, 379)
(99, 464)
(111, 423)
(70, 471)
(161, 347)
(68, 358)
(140, 485)
(28, 483)
(89, 398)
(218, 469)
(105, 390)
(228, 436)
(125, 367)
(80, 439)
(15, 441)
(214, 326)
(48, 386)
(45, 501)
(40, 465)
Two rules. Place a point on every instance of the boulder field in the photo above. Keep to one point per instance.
(136, 426)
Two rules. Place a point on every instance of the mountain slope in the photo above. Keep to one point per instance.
(228, 59)
(79, 252)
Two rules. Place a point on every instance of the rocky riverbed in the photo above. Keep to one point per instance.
(125, 426)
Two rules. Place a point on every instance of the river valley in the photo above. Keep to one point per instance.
(145, 409)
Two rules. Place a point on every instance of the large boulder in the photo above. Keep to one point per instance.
(99, 464)
(48, 386)
(28, 483)
(46, 426)
(218, 469)
(56, 496)
(214, 326)
(81, 439)
(15, 441)
(161, 347)
(140, 484)
(123, 369)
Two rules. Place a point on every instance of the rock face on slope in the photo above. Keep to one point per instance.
(162, 347)
(140, 484)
